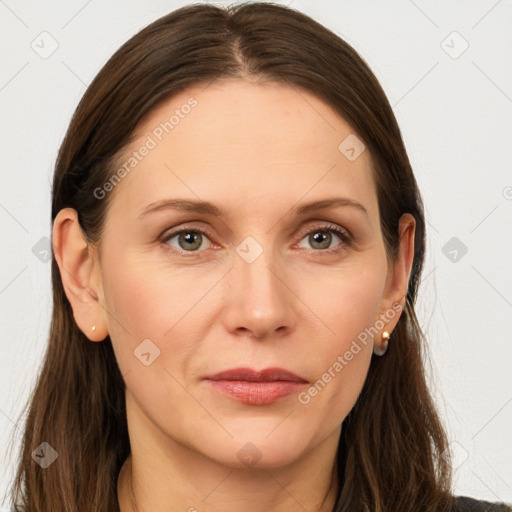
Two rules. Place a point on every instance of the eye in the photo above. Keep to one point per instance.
(321, 237)
(188, 240)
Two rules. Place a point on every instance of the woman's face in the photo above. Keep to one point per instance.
(258, 284)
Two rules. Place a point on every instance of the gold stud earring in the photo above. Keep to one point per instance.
(380, 351)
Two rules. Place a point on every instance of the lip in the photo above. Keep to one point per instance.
(255, 387)
(250, 375)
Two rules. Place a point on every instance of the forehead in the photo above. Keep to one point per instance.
(245, 113)
(234, 139)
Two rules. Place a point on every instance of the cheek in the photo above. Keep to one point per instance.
(147, 299)
(349, 306)
(347, 301)
(143, 303)
(137, 302)
(149, 302)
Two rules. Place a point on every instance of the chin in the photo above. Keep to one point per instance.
(261, 445)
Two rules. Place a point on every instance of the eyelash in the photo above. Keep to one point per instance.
(342, 233)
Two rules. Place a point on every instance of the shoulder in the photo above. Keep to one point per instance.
(466, 504)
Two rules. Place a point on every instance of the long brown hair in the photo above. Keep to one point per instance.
(392, 453)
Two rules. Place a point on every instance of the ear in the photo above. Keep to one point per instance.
(78, 264)
(397, 281)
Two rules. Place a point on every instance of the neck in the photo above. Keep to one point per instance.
(238, 494)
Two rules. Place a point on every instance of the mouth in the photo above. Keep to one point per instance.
(254, 387)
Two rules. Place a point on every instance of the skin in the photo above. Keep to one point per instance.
(258, 151)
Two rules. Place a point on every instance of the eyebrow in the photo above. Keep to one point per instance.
(207, 208)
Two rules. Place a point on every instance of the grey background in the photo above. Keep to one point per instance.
(454, 106)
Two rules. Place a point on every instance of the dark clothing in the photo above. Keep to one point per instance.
(465, 504)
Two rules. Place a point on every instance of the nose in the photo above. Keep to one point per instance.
(259, 300)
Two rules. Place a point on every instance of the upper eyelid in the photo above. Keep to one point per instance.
(325, 224)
